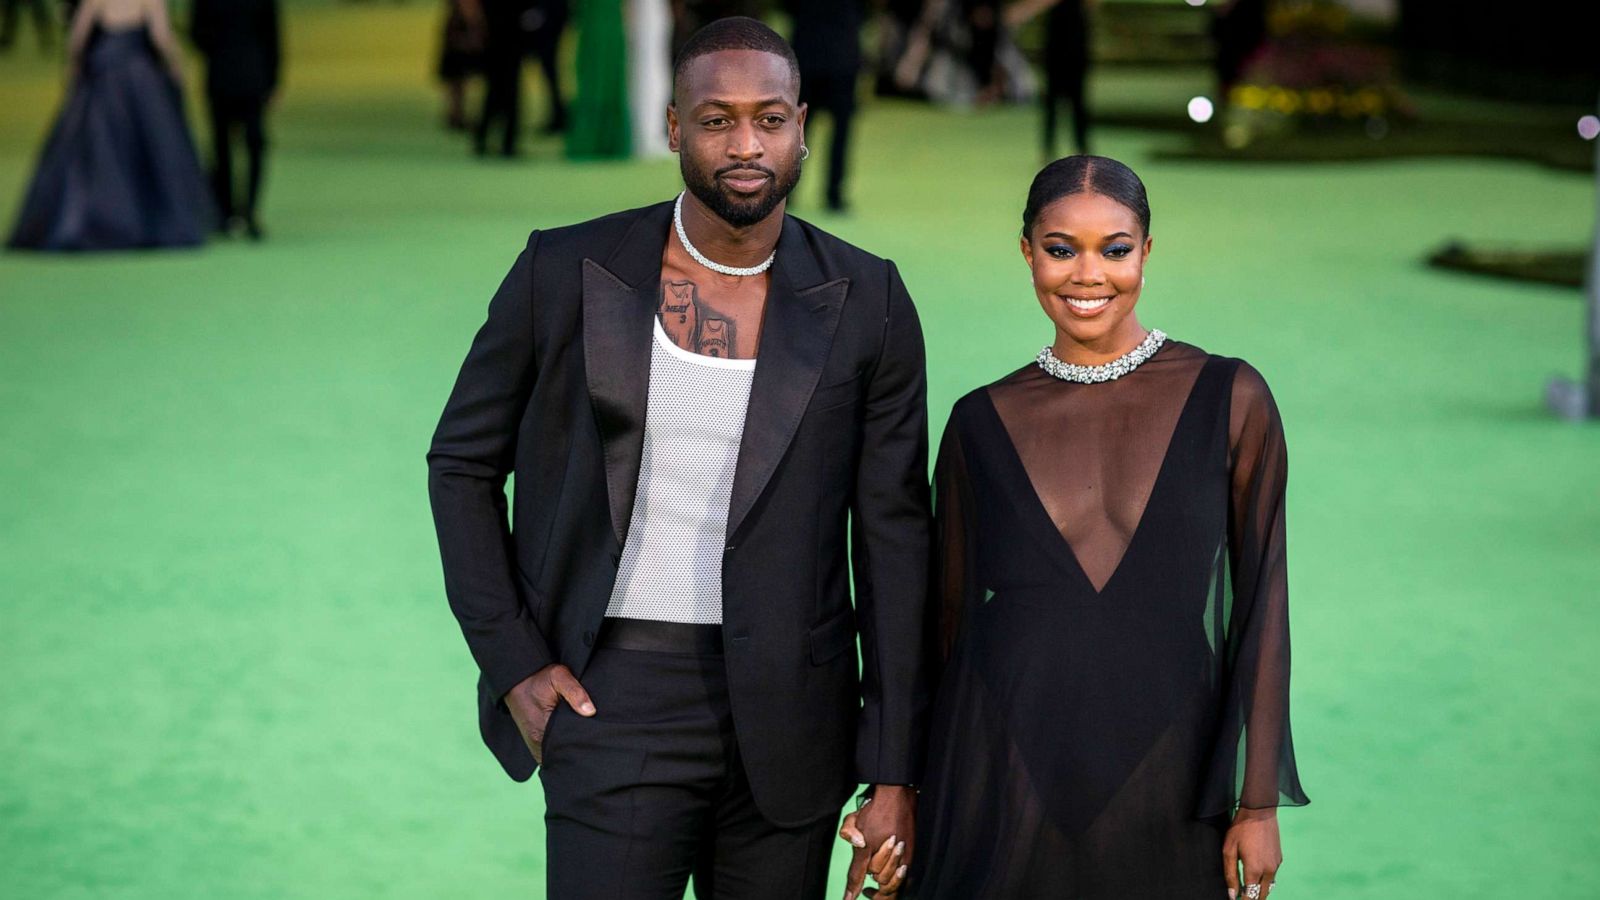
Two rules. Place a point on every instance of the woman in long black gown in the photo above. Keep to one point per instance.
(119, 169)
(1113, 638)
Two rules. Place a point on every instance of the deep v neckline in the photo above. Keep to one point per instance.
(1040, 513)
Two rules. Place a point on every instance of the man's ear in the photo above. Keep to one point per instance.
(672, 127)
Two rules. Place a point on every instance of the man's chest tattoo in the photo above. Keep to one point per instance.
(693, 324)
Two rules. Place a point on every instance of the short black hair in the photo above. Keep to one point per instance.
(733, 33)
(1086, 175)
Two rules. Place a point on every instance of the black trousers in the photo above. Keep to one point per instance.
(651, 792)
(545, 44)
(502, 96)
(835, 94)
(231, 115)
(1065, 82)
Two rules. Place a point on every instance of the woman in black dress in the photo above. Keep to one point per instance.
(119, 169)
(1113, 641)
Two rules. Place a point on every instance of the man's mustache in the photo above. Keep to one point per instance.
(746, 167)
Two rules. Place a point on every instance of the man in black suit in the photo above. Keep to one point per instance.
(700, 402)
(240, 41)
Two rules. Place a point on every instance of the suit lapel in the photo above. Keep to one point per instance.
(619, 306)
(801, 317)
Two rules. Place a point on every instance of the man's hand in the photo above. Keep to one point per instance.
(1253, 841)
(534, 700)
(882, 833)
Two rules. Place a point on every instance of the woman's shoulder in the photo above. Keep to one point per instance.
(1247, 381)
(982, 396)
(1252, 409)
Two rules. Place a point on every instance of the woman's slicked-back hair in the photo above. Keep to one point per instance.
(1086, 175)
(733, 33)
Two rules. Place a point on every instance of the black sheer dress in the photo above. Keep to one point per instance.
(1114, 634)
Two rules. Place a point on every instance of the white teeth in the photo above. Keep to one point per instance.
(1087, 305)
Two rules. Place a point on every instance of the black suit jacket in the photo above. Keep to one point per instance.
(241, 44)
(553, 391)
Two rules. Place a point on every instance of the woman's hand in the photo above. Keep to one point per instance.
(1253, 841)
(891, 811)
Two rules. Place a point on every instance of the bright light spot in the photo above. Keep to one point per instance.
(1200, 109)
(1589, 127)
(1196, 2)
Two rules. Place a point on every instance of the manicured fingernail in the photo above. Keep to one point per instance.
(1233, 894)
(893, 838)
(588, 709)
(858, 842)
(900, 848)
(900, 872)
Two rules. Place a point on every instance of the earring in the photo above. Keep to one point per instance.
(805, 153)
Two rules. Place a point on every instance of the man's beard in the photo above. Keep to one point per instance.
(738, 210)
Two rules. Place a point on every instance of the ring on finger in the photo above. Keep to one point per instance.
(1252, 892)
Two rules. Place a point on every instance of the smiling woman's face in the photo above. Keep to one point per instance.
(1087, 253)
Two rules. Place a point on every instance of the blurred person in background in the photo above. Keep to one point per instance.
(649, 74)
(1066, 63)
(984, 23)
(460, 57)
(43, 26)
(241, 43)
(950, 51)
(504, 46)
(1239, 31)
(827, 40)
(119, 169)
(689, 16)
(602, 125)
(544, 23)
(514, 29)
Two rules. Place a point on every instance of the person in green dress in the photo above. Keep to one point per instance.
(600, 124)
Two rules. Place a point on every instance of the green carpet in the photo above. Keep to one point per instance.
(226, 664)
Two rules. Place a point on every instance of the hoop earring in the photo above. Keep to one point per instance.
(805, 153)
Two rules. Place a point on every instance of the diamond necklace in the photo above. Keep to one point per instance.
(1110, 371)
(677, 222)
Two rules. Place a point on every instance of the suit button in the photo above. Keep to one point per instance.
(588, 639)
(730, 547)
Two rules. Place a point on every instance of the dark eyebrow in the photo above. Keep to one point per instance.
(1068, 237)
(729, 104)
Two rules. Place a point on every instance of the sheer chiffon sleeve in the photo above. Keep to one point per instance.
(1253, 762)
(952, 579)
